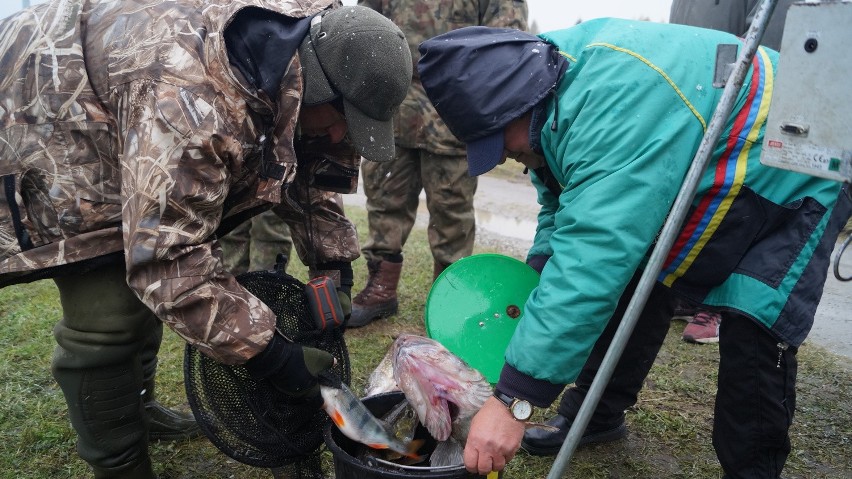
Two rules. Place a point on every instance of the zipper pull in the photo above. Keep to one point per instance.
(781, 348)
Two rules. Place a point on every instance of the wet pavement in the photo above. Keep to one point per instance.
(506, 217)
(833, 324)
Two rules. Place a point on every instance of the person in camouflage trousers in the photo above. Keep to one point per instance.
(428, 158)
(135, 133)
(257, 245)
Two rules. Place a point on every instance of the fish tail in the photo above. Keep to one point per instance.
(447, 453)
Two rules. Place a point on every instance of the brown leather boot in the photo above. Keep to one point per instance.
(378, 298)
(438, 268)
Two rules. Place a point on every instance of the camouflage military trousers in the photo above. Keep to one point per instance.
(255, 244)
(393, 195)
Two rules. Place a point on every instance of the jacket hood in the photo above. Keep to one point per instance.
(284, 104)
(479, 78)
(219, 14)
(261, 43)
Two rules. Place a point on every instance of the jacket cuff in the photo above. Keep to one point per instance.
(339, 271)
(537, 261)
(538, 392)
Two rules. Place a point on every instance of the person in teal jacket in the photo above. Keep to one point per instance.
(608, 116)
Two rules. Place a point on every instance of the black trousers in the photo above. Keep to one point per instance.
(756, 389)
(635, 363)
(755, 400)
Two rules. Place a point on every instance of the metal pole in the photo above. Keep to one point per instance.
(666, 238)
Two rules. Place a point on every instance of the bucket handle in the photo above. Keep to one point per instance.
(372, 460)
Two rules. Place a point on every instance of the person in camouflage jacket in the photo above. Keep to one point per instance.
(260, 244)
(428, 158)
(133, 133)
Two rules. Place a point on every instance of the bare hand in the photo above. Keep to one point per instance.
(494, 438)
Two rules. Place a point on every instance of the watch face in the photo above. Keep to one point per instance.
(522, 410)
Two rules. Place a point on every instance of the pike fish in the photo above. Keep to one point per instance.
(445, 392)
(356, 422)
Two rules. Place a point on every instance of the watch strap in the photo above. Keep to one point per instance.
(511, 403)
(503, 398)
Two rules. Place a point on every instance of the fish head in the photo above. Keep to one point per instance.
(440, 386)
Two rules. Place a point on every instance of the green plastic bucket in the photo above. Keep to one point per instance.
(475, 305)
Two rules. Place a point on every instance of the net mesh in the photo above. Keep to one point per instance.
(245, 418)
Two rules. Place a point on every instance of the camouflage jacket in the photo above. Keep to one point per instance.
(417, 124)
(124, 132)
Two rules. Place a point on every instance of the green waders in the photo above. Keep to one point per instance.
(98, 365)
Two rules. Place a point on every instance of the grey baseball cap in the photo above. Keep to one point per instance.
(356, 53)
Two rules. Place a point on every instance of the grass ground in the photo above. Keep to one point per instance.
(670, 426)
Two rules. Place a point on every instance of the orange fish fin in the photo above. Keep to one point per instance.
(413, 447)
(378, 446)
(337, 419)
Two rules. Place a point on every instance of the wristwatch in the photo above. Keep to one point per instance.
(521, 409)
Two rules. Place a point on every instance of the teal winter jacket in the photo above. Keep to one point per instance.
(619, 109)
(632, 109)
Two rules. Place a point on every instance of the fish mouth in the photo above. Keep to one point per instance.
(454, 410)
(400, 344)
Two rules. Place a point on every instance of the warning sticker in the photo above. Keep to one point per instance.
(814, 160)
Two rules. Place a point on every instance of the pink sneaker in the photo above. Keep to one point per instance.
(683, 310)
(703, 329)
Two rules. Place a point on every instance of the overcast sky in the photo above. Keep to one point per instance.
(548, 14)
(556, 14)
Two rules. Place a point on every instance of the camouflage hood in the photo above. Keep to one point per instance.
(219, 14)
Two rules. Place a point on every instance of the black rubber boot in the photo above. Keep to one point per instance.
(166, 424)
(142, 470)
(542, 442)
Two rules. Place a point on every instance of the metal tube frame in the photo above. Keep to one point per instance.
(666, 239)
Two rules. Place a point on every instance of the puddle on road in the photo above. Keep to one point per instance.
(511, 227)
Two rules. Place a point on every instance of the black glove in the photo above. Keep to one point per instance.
(344, 295)
(537, 261)
(291, 369)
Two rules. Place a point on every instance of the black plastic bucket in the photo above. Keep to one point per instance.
(346, 466)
